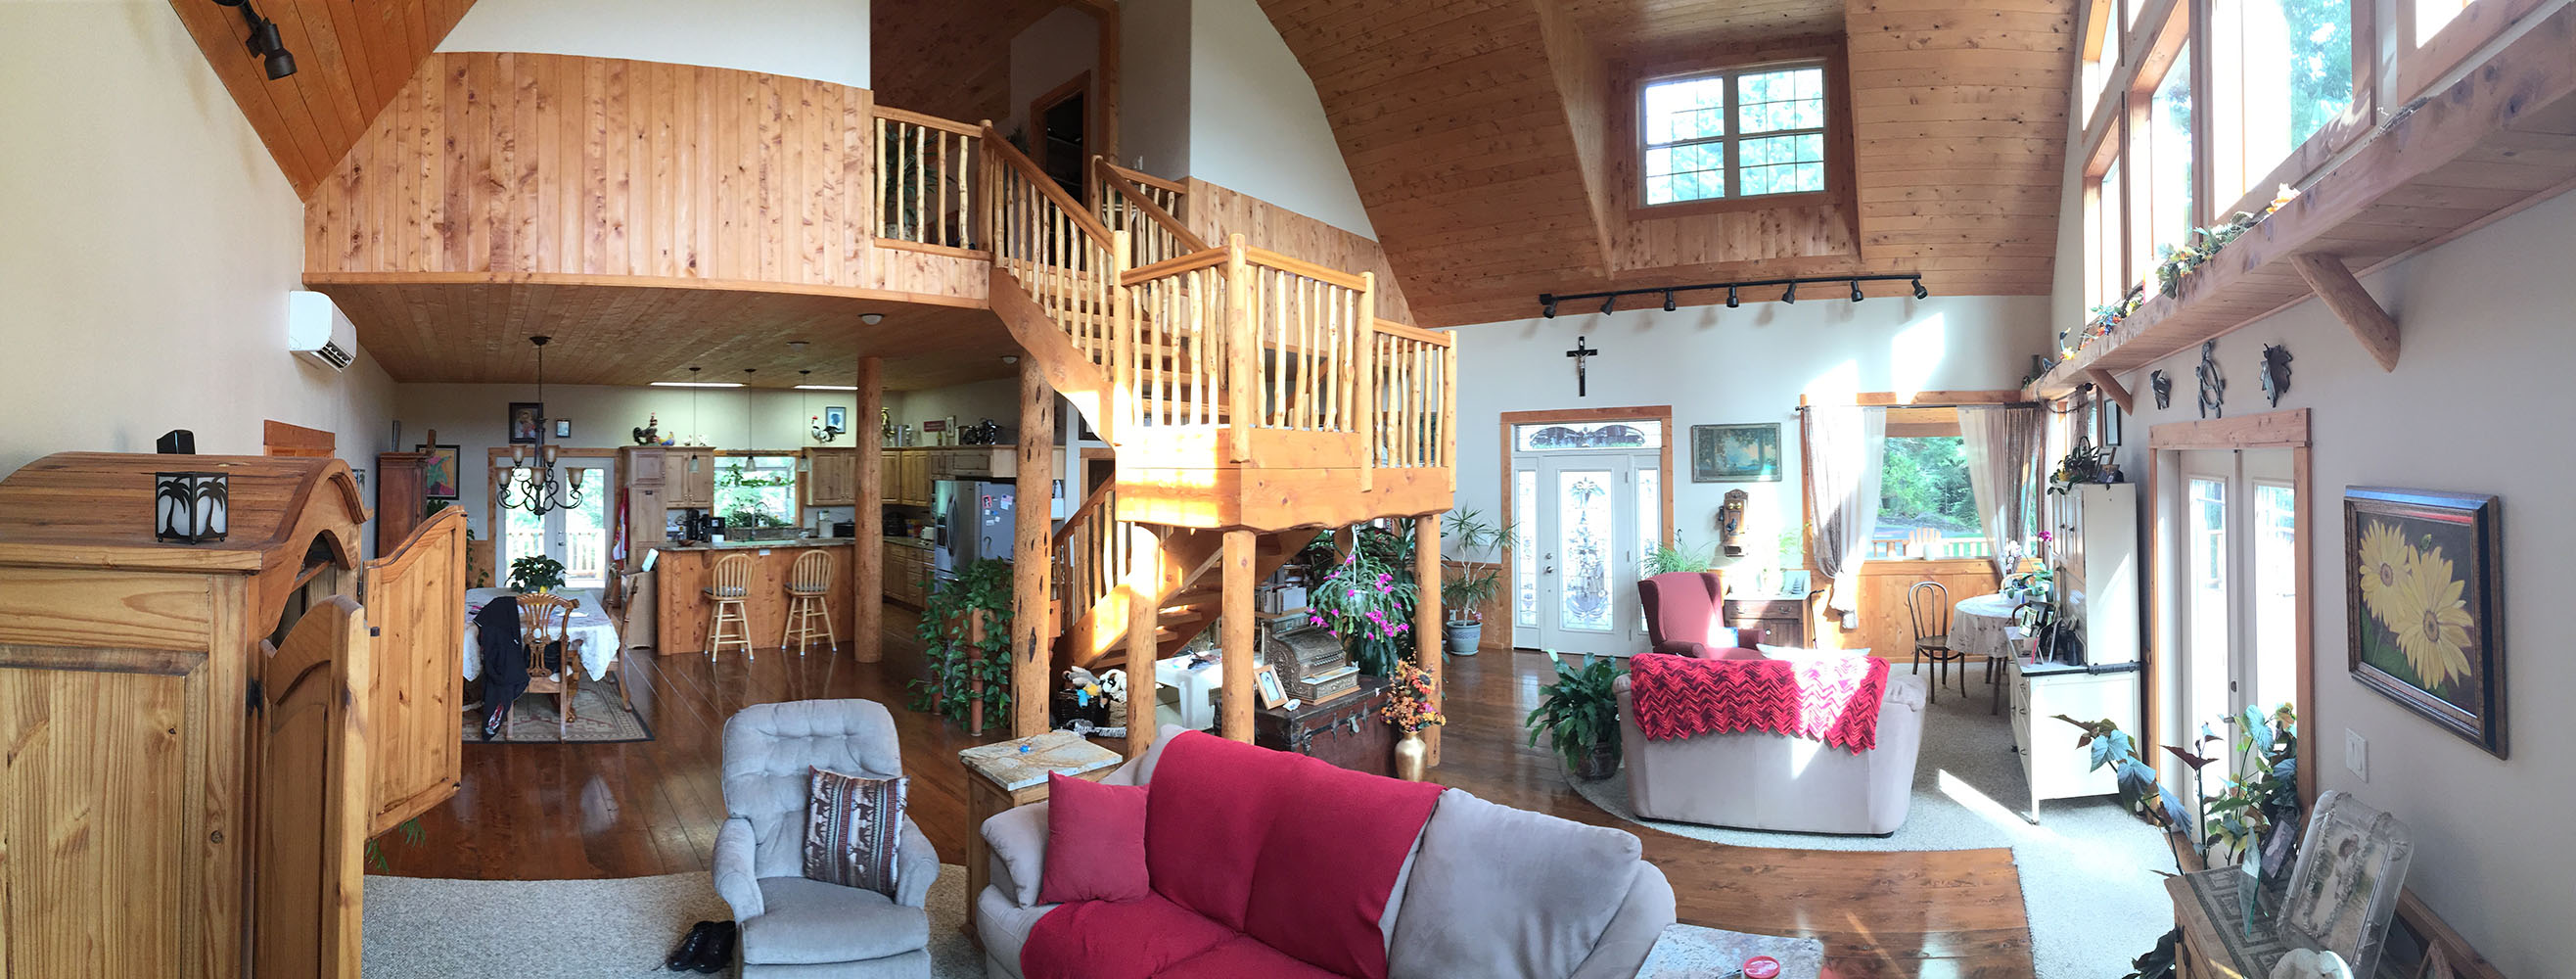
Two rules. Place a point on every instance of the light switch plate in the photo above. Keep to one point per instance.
(2356, 754)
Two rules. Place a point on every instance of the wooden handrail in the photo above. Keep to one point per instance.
(1173, 266)
(1433, 337)
(928, 121)
(1088, 501)
(1116, 182)
(1145, 179)
(1001, 149)
(1299, 266)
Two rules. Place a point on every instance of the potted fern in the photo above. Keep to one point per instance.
(1579, 713)
(1463, 595)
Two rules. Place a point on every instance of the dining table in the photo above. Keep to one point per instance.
(1984, 625)
(592, 630)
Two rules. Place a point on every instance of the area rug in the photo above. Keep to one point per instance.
(598, 718)
(425, 928)
(2089, 870)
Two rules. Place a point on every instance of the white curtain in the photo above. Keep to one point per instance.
(2002, 450)
(1847, 450)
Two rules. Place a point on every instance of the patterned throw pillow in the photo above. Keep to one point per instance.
(852, 825)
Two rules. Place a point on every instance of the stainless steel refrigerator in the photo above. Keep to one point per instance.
(975, 521)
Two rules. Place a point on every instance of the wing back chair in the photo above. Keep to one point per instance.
(1684, 610)
(792, 926)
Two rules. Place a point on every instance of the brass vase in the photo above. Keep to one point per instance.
(1412, 757)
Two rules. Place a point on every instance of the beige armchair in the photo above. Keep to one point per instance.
(1775, 782)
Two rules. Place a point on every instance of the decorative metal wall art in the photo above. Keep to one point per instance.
(2276, 373)
(2164, 389)
(2213, 385)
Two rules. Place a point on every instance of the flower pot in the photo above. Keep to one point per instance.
(1462, 637)
(1412, 757)
(1599, 763)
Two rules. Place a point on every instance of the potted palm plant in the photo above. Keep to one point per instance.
(1579, 713)
(1478, 577)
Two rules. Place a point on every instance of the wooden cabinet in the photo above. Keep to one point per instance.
(1784, 619)
(402, 496)
(910, 472)
(186, 785)
(415, 609)
(831, 477)
(2052, 764)
(689, 478)
(907, 573)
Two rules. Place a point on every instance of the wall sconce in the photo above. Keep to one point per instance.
(190, 507)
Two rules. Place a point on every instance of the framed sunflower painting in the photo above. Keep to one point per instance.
(2424, 605)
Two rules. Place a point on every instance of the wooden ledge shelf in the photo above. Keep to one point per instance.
(2500, 139)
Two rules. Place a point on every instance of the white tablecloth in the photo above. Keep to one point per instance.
(1983, 624)
(590, 625)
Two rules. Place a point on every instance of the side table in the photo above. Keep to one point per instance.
(1693, 952)
(1006, 775)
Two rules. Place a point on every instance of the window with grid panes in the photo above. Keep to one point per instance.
(1747, 132)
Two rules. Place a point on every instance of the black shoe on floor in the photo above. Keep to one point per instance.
(685, 957)
(492, 722)
(717, 953)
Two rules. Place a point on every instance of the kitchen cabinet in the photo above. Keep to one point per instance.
(907, 573)
(911, 471)
(690, 479)
(831, 477)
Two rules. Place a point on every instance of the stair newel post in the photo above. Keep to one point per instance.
(1426, 619)
(987, 217)
(1243, 380)
(1234, 713)
(1142, 618)
(1367, 333)
(1124, 370)
(1030, 664)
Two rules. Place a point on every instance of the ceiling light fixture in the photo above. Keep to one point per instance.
(797, 347)
(1855, 290)
(697, 384)
(1730, 297)
(1668, 300)
(827, 387)
(1919, 291)
(1791, 296)
(1609, 304)
(263, 40)
(1548, 302)
(535, 488)
(871, 319)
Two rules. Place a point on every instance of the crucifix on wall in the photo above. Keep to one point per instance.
(1582, 356)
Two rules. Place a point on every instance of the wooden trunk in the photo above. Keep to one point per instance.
(186, 791)
(1345, 731)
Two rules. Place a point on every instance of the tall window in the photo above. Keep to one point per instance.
(2101, 51)
(2107, 276)
(2428, 17)
(2160, 148)
(2282, 70)
(1925, 508)
(1747, 132)
(756, 491)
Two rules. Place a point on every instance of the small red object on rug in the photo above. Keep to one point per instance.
(1834, 700)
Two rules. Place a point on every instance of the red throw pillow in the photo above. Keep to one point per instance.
(1095, 842)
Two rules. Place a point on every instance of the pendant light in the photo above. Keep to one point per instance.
(803, 464)
(536, 488)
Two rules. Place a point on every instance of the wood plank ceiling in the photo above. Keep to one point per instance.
(1489, 141)
(350, 59)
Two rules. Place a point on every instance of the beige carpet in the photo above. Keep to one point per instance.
(425, 928)
(598, 718)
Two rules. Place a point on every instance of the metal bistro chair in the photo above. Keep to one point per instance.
(726, 590)
(546, 620)
(809, 583)
(1932, 633)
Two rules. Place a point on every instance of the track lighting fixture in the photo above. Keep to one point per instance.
(1668, 300)
(1919, 291)
(1549, 301)
(1730, 297)
(1855, 290)
(1790, 296)
(1547, 306)
(1609, 304)
(264, 41)
(871, 319)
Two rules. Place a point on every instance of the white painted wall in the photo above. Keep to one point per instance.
(825, 40)
(152, 242)
(1256, 124)
(1154, 86)
(2477, 404)
(1715, 365)
(1049, 53)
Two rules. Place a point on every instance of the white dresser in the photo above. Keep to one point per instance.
(2096, 563)
(2051, 763)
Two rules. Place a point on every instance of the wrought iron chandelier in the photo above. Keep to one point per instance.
(535, 488)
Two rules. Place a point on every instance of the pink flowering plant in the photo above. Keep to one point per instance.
(1367, 602)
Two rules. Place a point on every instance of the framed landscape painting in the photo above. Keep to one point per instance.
(1735, 453)
(2424, 605)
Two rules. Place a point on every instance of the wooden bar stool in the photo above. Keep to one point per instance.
(725, 591)
(809, 581)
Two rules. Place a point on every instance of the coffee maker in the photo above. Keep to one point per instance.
(699, 525)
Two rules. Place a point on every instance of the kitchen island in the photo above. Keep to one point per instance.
(684, 571)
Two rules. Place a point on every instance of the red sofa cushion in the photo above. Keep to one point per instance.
(1244, 958)
(1136, 939)
(1209, 808)
(1095, 842)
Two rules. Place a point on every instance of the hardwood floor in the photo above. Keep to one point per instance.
(545, 811)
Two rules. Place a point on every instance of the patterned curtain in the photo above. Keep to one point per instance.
(1847, 449)
(2002, 449)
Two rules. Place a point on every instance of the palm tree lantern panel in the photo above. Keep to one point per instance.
(190, 507)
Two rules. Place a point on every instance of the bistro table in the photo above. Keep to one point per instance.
(1984, 625)
(591, 630)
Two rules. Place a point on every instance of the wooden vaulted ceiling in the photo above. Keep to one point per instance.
(951, 60)
(350, 59)
(1489, 141)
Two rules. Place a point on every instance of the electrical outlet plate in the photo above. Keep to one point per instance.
(2356, 754)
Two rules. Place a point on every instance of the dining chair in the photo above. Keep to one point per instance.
(809, 582)
(1929, 605)
(726, 589)
(546, 620)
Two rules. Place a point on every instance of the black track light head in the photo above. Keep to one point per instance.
(1855, 283)
(1609, 305)
(1791, 296)
(279, 64)
(1547, 305)
(263, 40)
(1730, 297)
(1919, 291)
(1668, 300)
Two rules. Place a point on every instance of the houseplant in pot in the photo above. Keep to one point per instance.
(1579, 713)
(536, 574)
(1365, 599)
(1409, 707)
(1478, 577)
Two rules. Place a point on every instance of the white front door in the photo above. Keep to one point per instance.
(1588, 522)
(575, 535)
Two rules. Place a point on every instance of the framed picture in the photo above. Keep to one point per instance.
(527, 420)
(837, 416)
(563, 428)
(2423, 605)
(1266, 680)
(2343, 890)
(444, 476)
(1735, 453)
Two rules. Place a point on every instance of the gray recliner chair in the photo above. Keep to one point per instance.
(794, 928)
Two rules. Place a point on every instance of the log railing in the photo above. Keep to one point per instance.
(1065, 258)
(927, 169)
(1093, 553)
(1179, 311)
(1147, 208)
(1310, 325)
(1414, 374)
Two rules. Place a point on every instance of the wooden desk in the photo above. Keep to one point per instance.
(1001, 777)
(1784, 618)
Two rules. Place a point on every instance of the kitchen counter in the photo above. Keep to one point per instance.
(908, 542)
(745, 545)
(682, 574)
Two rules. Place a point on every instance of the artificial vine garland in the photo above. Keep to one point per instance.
(956, 659)
(2174, 263)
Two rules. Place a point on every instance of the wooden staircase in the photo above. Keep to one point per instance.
(1095, 554)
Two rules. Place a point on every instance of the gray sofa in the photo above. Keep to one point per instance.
(1776, 782)
(1488, 891)
(794, 928)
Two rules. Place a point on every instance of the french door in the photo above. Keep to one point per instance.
(575, 535)
(1586, 523)
(2237, 588)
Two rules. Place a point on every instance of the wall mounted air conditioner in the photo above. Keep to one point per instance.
(318, 332)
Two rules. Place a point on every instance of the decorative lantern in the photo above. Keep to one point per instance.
(190, 507)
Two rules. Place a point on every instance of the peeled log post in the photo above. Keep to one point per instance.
(1030, 662)
(1426, 619)
(867, 557)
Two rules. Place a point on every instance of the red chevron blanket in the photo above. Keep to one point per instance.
(1834, 700)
